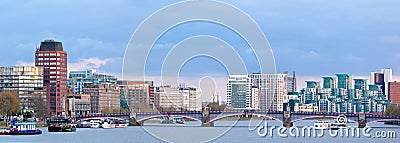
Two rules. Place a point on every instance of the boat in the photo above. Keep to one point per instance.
(60, 124)
(107, 125)
(336, 125)
(23, 129)
(321, 124)
(121, 124)
(5, 132)
(95, 123)
(180, 121)
(83, 124)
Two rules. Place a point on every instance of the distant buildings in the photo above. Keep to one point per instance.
(52, 57)
(78, 104)
(178, 98)
(137, 93)
(26, 81)
(291, 82)
(343, 98)
(78, 79)
(394, 92)
(104, 97)
(270, 88)
(239, 92)
(383, 78)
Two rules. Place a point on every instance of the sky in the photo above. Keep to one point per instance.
(313, 38)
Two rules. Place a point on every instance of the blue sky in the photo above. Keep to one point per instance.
(314, 38)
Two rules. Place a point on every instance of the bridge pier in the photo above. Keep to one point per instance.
(287, 120)
(133, 121)
(205, 118)
(362, 120)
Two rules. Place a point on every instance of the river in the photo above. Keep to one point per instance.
(239, 133)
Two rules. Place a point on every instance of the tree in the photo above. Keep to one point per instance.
(39, 105)
(391, 110)
(10, 103)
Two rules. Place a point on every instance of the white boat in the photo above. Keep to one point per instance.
(95, 124)
(321, 124)
(336, 125)
(107, 125)
(121, 123)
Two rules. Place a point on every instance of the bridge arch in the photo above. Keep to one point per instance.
(160, 115)
(320, 116)
(240, 114)
(381, 120)
(99, 118)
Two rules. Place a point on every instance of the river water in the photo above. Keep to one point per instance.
(239, 133)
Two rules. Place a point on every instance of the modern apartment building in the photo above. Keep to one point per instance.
(77, 79)
(26, 81)
(177, 98)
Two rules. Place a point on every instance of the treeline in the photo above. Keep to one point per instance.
(392, 110)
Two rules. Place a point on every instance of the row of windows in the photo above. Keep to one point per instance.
(50, 54)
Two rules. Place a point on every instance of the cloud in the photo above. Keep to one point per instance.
(25, 63)
(89, 63)
(395, 39)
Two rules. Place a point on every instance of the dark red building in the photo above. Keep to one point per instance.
(51, 56)
(394, 92)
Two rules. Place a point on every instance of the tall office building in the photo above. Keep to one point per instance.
(52, 57)
(387, 77)
(344, 81)
(394, 92)
(239, 90)
(291, 82)
(272, 88)
(136, 93)
(383, 78)
(360, 84)
(328, 82)
(26, 81)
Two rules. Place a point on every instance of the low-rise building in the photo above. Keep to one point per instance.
(78, 104)
(104, 97)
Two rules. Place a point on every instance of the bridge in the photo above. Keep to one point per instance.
(121, 116)
(208, 117)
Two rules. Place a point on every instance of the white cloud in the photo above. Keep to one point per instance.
(89, 63)
(392, 39)
(25, 63)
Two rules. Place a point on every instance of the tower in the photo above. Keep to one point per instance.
(51, 56)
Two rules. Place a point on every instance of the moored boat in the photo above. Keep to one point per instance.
(23, 129)
(336, 125)
(107, 125)
(5, 132)
(121, 124)
(321, 124)
(60, 124)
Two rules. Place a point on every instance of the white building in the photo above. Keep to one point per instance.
(178, 98)
(254, 98)
(272, 88)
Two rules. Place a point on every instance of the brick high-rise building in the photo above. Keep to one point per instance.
(394, 92)
(51, 56)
